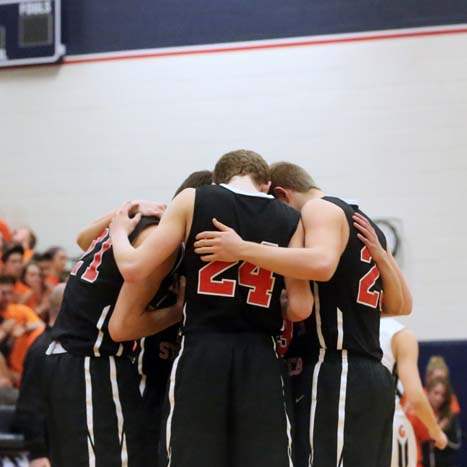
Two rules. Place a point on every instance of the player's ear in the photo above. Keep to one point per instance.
(265, 187)
(281, 194)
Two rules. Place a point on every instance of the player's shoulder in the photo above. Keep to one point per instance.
(323, 209)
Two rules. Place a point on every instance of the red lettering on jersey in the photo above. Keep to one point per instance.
(92, 271)
(76, 267)
(260, 281)
(365, 295)
(208, 285)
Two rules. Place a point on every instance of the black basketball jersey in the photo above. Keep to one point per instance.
(348, 307)
(238, 296)
(90, 297)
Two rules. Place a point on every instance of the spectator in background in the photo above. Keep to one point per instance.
(31, 407)
(440, 396)
(20, 326)
(59, 259)
(13, 266)
(438, 368)
(25, 237)
(37, 296)
(5, 231)
(44, 261)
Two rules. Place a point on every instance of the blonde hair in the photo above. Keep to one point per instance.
(436, 362)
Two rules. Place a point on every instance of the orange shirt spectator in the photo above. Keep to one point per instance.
(5, 231)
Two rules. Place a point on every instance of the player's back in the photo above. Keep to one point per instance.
(89, 299)
(347, 307)
(238, 296)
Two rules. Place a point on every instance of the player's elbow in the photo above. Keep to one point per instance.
(323, 270)
(82, 242)
(131, 272)
(299, 308)
(117, 330)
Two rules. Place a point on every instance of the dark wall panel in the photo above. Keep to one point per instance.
(92, 26)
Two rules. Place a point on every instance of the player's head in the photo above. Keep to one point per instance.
(195, 180)
(243, 163)
(13, 261)
(291, 183)
(7, 284)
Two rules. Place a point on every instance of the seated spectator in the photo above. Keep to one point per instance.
(20, 326)
(25, 237)
(37, 296)
(13, 266)
(438, 368)
(44, 261)
(31, 407)
(59, 259)
(440, 396)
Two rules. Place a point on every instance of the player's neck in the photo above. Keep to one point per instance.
(314, 193)
(243, 183)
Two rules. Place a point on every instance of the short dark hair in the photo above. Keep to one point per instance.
(7, 279)
(47, 256)
(292, 177)
(195, 180)
(14, 249)
(52, 251)
(241, 162)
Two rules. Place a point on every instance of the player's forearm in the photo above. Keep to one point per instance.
(406, 294)
(299, 263)
(89, 233)
(424, 412)
(126, 256)
(392, 299)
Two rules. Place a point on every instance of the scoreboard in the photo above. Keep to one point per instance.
(30, 32)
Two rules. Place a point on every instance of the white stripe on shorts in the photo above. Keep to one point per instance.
(89, 411)
(119, 412)
(341, 412)
(322, 343)
(173, 374)
(289, 426)
(314, 400)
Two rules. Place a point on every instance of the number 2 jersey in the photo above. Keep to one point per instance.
(90, 297)
(238, 296)
(347, 308)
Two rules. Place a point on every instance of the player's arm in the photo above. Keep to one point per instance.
(299, 296)
(130, 318)
(137, 263)
(405, 349)
(395, 302)
(324, 243)
(93, 230)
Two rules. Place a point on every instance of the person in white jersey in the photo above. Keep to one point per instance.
(400, 356)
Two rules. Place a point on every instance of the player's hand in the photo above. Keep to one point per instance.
(367, 235)
(221, 245)
(440, 439)
(121, 221)
(149, 208)
(40, 462)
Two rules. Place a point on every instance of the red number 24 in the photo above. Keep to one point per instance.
(258, 280)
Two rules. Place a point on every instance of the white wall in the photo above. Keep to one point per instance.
(383, 122)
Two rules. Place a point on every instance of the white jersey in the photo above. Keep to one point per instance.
(404, 445)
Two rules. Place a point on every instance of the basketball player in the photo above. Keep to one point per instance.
(95, 407)
(226, 395)
(347, 391)
(400, 356)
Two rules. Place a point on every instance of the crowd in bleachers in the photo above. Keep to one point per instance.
(27, 278)
(27, 281)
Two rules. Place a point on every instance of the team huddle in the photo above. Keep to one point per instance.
(174, 348)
